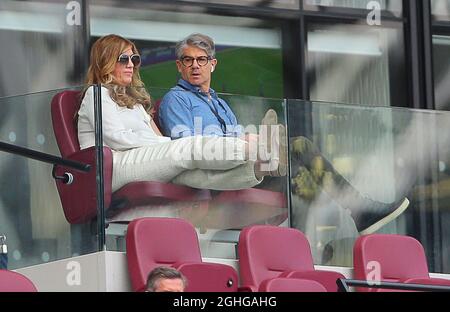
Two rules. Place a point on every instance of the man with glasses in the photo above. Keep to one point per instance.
(192, 107)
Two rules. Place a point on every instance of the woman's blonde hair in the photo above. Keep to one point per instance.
(104, 55)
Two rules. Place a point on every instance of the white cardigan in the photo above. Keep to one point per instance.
(123, 128)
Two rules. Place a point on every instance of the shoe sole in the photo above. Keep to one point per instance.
(281, 170)
(270, 118)
(390, 217)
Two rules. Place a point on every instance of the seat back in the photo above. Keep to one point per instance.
(78, 199)
(15, 282)
(397, 257)
(156, 106)
(290, 285)
(64, 107)
(267, 251)
(153, 242)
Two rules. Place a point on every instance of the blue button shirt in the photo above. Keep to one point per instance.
(186, 111)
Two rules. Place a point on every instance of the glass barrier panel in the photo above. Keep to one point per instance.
(351, 166)
(31, 212)
(224, 187)
(358, 170)
(362, 53)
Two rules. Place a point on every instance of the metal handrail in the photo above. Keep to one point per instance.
(44, 157)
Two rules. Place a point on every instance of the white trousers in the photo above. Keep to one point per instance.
(216, 163)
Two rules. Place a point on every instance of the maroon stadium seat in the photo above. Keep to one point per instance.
(400, 259)
(79, 198)
(15, 282)
(153, 242)
(267, 252)
(283, 284)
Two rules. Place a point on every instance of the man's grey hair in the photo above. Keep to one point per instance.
(197, 40)
(163, 272)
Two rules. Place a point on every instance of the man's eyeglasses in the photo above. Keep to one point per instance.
(201, 60)
(124, 59)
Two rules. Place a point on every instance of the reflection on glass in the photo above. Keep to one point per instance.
(360, 55)
(441, 52)
(44, 43)
(356, 166)
(393, 6)
(441, 9)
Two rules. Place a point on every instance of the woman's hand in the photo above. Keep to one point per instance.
(155, 127)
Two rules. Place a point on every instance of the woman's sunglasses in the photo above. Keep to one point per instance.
(124, 59)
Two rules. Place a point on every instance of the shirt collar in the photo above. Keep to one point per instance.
(194, 88)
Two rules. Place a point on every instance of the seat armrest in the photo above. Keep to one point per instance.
(326, 278)
(284, 284)
(208, 277)
(247, 288)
